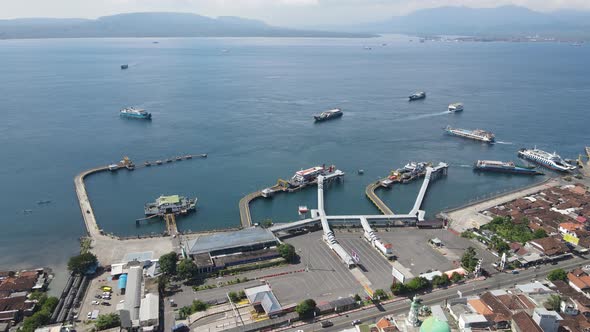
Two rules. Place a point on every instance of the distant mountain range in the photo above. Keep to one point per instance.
(154, 25)
(506, 21)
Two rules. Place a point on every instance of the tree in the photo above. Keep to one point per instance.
(163, 283)
(233, 296)
(399, 288)
(107, 321)
(358, 298)
(82, 263)
(306, 308)
(287, 251)
(168, 263)
(553, 302)
(539, 233)
(186, 269)
(379, 294)
(557, 274)
(469, 259)
(418, 284)
(241, 294)
(440, 281)
(266, 223)
(456, 277)
(199, 305)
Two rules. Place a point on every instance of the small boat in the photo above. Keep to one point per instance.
(125, 66)
(158, 162)
(327, 115)
(147, 163)
(130, 166)
(303, 209)
(43, 202)
(456, 107)
(361, 171)
(179, 158)
(113, 167)
(188, 156)
(204, 155)
(168, 160)
(417, 96)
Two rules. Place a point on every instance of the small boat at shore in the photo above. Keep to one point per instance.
(303, 209)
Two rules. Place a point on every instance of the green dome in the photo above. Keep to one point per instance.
(432, 324)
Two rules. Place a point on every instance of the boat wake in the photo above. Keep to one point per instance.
(464, 166)
(423, 116)
(505, 143)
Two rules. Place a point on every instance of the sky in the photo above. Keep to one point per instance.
(288, 13)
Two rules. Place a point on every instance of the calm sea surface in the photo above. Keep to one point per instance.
(248, 103)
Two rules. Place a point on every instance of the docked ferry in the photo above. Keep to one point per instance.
(135, 113)
(310, 175)
(477, 134)
(456, 107)
(173, 204)
(550, 160)
(327, 115)
(504, 167)
(417, 96)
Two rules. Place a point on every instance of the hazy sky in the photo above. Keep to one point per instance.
(277, 12)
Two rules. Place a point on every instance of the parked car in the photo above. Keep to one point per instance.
(356, 322)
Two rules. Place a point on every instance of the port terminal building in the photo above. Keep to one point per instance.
(218, 251)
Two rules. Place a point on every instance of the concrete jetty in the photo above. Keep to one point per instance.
(245, 218)
(372, 196)
(87, 212)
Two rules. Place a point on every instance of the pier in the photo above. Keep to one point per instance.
(87, 212)
(171, 224)
(370, 192)
(245, 218)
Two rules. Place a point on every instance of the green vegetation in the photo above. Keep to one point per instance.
(168, 263)
(513, 232)
(468, 234)
(557, 274)
(287, 251)
(553, 303)
(85, 245)
(252, 266)
(306, 308)
(42, 316)
(196, 306)
(236, 297)
(380, 294)
(186, 269)
(107, 321)
(499, 245)
(81, 263)
(266, 223)
(357, 298)
(441, 281)
(456, 277)
(412, 286)
(469, 259)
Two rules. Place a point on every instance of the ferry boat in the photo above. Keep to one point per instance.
(456, 107)
(308, 176)
(303, 209)
(477, 134)
(550, 160)
(327, 115)
(504, 167)
(174, 204)
(417, 96)
(136, 113)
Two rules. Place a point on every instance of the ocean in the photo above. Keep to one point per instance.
(248, 103)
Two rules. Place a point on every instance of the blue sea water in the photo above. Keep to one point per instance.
(248, 103)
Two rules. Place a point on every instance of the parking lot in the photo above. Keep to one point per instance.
(91, 299)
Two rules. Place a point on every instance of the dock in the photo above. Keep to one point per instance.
(245, 218)
(372, 196)
(87, 212)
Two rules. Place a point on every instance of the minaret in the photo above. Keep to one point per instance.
(413, 315)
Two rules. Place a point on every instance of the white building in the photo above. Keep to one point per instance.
(547, 320)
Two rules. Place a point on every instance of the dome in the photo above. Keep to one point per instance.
(432, 324)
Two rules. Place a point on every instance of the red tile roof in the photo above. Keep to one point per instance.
(525, 323)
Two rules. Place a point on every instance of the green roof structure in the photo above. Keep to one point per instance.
(433, 324)
(172, 199)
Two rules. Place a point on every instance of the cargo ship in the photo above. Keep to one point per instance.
(504, 167)
(417, 96)
(456, 107)
(173, 204)
(550, 160)
(135, 113)
(328, 115)
(477, 134)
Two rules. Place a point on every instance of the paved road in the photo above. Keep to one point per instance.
(499, 280)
